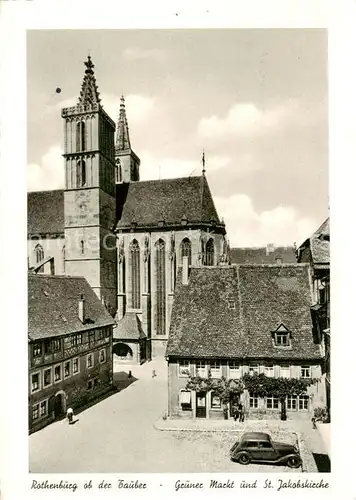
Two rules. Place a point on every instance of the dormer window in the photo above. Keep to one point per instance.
(281, 336)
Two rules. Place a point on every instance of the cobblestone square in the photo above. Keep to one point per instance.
(117, 435)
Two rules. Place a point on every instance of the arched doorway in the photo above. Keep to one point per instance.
(122, 351)
(59, 404)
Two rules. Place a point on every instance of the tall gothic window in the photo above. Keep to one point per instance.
(209, 260)
(39, 253)
(135, 275)
(118, 171)
(64, 259)
(186, 251)
(160, 248)
(80, 137)
(81, 173)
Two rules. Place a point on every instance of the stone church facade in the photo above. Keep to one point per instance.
(125, 236)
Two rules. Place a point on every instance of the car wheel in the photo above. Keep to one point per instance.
(244, 459)
(293, 462)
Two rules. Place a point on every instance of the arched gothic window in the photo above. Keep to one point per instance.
(82, 247)
(186, 251)
(81, 173)
(80, 137)
(39, 253)
(209, 259)
(135, 275)
(118, 171)
(160, 261)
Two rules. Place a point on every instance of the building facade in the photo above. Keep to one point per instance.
(125, 236)
(69, 347)
(232, 321)
(316, 252)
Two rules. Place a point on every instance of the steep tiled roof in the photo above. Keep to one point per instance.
(129, 327)
(260, 255)
(324, 229)
(53, 306)
(320, 250)
(45, 212)
(230, 312)
(148, 202)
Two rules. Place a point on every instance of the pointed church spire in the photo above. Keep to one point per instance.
(89, 94)
(122, 133)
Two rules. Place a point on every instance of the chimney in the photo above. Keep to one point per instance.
(185, 274)
(81, 309)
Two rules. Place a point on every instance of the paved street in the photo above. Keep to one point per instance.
(117, 435)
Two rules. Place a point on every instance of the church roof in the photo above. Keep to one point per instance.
(129, 328)
(261, 255)
(147, 203)
(231, 312)
(53, 306)
(45, 212)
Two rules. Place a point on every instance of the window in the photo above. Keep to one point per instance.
(66, 370)
(281, 336)
(231, 304)
(78, 339)
(57, 373)
(100, 334)
(118, 171)
(306, 372)
(303, 402)
(186, 251)
(81, 138)
(265, 445)
(291, 402)
(96, 382)
(284, 371)
(254, 401)
(251, 444)
(185, 400)
(39, 253)
(200, 369)
(254, 368)
(135, 274)
(35, 382)
(37, 350)
(90, 384)
(234, 369)
(160, 248)
(91, 337)
(56, 345)
(215, 369)
(102, 356)
(75, 365)
(47, 347)
(209, 258)
(215, 401)
(81, 173)
(90, 361)
(269, 370)
(82, 247)
(43, 408)
(272, 403)
(183, 368)
(47, 377)
(35, 412)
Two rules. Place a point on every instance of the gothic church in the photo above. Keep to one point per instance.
(125, 236)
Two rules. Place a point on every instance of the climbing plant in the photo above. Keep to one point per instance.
(225, 388)
(261, 386)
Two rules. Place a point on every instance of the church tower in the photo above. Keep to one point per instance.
(89, 197)
(127, 163)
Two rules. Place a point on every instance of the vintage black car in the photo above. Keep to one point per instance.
(259, 447)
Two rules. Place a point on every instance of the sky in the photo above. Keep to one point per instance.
(256, 101)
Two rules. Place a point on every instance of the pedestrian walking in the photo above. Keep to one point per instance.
(241, 413)
(130, 374)
(153, 373)
(70, 415)
(235, 412)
